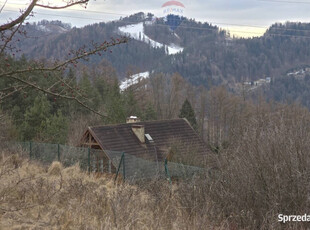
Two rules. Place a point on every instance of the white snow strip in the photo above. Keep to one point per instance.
(136, 31)
(134, 79)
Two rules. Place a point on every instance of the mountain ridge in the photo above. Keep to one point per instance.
(210, 56)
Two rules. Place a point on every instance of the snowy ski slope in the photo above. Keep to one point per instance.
(136, 31)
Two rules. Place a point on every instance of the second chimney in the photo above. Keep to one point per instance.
(132, 119)
(139, 132)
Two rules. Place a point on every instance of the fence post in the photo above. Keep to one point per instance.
(58, 152)
(30, 149)
(119, 166)
(88, 159)
(167, 171)
(124, 172)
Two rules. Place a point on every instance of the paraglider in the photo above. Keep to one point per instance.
(173, 11)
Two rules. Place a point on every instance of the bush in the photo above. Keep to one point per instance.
(266, 172)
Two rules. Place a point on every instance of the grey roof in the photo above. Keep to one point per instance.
(167, 135)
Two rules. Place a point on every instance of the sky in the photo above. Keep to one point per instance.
(243, 18)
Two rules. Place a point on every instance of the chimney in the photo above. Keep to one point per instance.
(132, 119)
(138, 130)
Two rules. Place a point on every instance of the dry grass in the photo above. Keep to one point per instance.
(35, 197)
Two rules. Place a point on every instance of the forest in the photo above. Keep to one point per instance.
(48, 118)
(211, 56)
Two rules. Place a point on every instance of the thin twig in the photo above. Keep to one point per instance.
(3, 5)
(62, 7)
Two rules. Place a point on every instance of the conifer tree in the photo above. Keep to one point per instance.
(40, 124)
(56, 128)
(35, 118)
(149, 113)
(188, 112)
(115, 105)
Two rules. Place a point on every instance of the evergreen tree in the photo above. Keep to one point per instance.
(35, 118)
(131, 104)
(90, 92)
(115, 106)
(149, 113)
(40, 123)
(188, 112)
(56, 128)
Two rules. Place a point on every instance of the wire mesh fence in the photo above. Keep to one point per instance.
(133, 168)
(47, 153)
(183, 171)
(94, 160)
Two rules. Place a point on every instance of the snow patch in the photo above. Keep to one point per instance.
(136, 31)
(43, 28)
(52, 28)
(134, 79)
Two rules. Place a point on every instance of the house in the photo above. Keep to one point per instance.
(147, 143)
(247, 83)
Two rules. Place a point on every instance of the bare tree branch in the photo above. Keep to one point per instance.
(6, 42)
(14, 74)
(16, 89)
(63, 7)
(20, 19)
(31, 6)
(33, 85)
(9, 30)
(85, 54)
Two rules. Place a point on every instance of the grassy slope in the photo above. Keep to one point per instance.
(36, 197)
